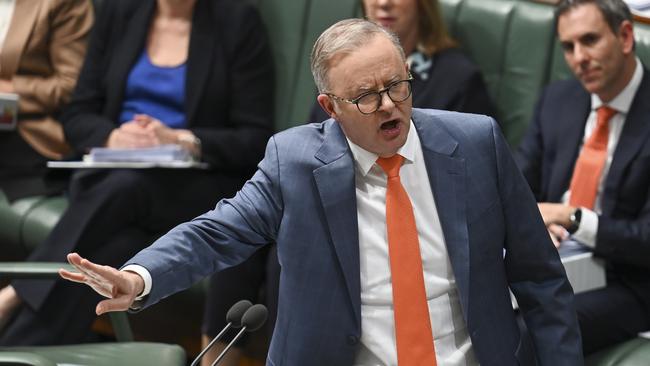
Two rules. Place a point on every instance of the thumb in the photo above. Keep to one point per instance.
(121, 303)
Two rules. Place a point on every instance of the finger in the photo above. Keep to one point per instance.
(73, 258)
(108, 273)
(121, 303)
(87, 274)
(103, 275)
(72, 276)
(559, 231)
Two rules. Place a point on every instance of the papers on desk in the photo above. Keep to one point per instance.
(584, 271)
(163, 153)
(165, 156)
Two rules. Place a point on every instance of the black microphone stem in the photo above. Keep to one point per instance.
(212, 342)
(223, 353)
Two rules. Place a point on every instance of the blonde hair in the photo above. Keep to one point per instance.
(433, 35)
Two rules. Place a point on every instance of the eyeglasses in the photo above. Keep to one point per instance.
(369, 102)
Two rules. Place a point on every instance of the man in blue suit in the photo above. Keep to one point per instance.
(599, 195)
(321, 194)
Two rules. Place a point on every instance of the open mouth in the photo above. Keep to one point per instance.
(389, 125)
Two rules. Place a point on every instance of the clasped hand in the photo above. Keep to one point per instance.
(142, 131)
(120, 287)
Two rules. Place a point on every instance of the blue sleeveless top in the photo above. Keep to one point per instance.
(157, 91)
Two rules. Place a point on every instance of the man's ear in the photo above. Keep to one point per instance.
(626, 35)
(327, 105)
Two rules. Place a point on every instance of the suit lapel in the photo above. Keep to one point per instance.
(571, 130)
(200, 56)
(448, 180)
(635, 133)
(132, 45)
(336, 187)
(21, 27)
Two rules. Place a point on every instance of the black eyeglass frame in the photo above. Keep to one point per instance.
(386, 90)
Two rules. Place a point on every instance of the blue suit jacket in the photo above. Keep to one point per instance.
(547, 157)
(303, 197)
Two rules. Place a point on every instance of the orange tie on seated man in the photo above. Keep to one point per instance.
(590, 164)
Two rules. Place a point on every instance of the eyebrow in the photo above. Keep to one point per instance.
(364, 89)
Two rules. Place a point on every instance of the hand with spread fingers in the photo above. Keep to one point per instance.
(120, 287)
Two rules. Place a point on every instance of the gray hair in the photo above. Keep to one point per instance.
(614, 11)
(344, 37)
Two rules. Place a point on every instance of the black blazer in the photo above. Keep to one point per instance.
(229, 82)
(454, 84)
(547, 156)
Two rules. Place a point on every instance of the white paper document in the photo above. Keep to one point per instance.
(165, 156)
(158, 154)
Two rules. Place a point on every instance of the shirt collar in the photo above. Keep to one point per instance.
(365, 159)
(623, 100)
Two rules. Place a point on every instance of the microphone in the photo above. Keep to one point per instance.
(234, 317)
(252, 320)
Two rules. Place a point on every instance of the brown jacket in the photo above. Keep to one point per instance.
(42, 55)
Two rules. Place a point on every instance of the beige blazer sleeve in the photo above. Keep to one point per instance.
(42, 56)
(52, 57)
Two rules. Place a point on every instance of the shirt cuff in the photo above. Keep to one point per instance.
(146, 276)
(586, 233)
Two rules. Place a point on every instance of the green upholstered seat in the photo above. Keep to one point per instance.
(100, 354)
(635, 352)
(26, 222)
(293, 27)
(510, 42)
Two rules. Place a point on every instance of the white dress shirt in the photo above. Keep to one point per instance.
(452, 342)
(588, 228)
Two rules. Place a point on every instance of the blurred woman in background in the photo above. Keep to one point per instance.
(195, 73)
(42, 46)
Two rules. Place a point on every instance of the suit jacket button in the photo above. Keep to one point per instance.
(353, 340)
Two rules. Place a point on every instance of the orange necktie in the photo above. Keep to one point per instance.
(412, 323)
(590, 164)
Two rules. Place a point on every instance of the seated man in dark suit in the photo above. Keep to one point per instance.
(400, 231)
(587, 159)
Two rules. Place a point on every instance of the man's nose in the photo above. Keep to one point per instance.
(384, 3)
(386, 104)
(580, 54)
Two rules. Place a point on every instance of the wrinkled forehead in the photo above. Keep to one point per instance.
(368, 67)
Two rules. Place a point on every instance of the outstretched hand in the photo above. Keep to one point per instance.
(120, 287)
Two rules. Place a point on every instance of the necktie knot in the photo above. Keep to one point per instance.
(604, 114)
(391, 165)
